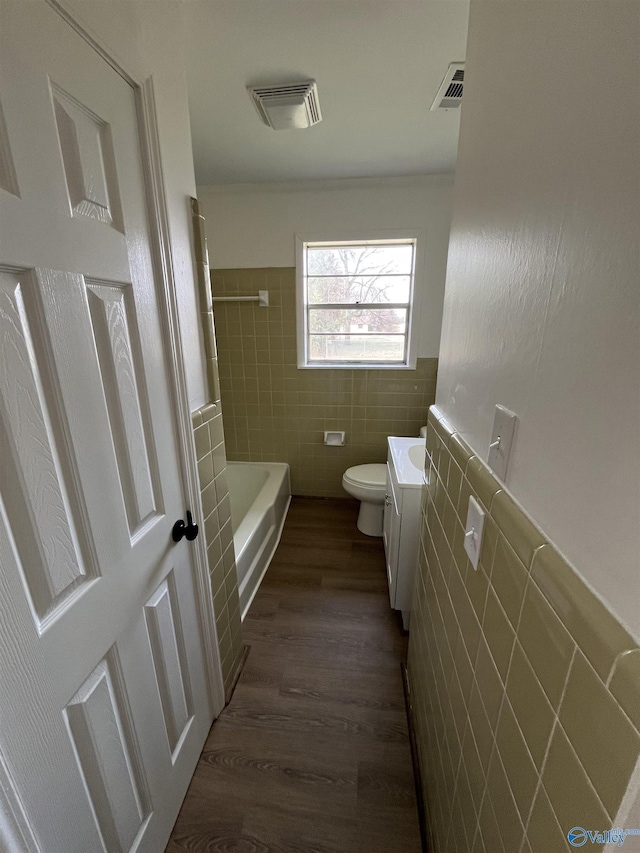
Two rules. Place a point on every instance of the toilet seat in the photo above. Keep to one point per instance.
(369, 476)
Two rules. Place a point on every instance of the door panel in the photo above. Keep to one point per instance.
(32, 459)
(103, 701)
(8, 177)
(115, 332)
(87, 152)
(165, 632)
(97, 718)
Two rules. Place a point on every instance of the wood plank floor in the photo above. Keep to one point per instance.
(312, 753)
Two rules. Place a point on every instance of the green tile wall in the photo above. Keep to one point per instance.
(210, 452)
(274, 412)
(525, 690)
(216, 507)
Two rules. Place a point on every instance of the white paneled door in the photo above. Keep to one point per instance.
(103, 697)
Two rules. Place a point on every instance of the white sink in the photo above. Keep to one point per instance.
(416, 455)
(407, 455)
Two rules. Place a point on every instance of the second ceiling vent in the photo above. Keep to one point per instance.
(449, 95)
(288, 107)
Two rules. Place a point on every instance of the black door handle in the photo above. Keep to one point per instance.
(188, 530)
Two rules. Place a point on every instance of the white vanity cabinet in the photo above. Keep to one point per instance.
(405, 462)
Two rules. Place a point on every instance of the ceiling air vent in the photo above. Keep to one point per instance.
(292, 106)
(449, 95)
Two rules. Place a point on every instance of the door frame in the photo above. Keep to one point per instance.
(14, 825)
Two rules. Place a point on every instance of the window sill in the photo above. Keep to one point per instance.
(334, 366)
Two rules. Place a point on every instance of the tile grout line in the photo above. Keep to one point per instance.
(556, 722)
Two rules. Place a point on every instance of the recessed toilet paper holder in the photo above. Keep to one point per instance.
(334, 437)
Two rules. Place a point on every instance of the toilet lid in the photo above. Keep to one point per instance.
(374, 474)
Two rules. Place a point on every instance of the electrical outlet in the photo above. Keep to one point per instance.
(504, 427)
(473, 532)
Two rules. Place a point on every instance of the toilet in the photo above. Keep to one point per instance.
(368, 483)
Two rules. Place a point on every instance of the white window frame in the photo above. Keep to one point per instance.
(415, 301)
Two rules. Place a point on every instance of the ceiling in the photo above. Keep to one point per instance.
(378, 65)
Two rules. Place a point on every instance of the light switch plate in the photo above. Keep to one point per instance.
(504, 427)
(473, 532)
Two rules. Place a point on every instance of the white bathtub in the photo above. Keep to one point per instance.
(260, 495)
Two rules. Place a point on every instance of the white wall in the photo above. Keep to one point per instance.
(543, 283)
(254, 226)
(147, 39)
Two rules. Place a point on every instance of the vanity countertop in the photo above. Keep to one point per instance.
(407, 455)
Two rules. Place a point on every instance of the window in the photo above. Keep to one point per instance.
(356, 302)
